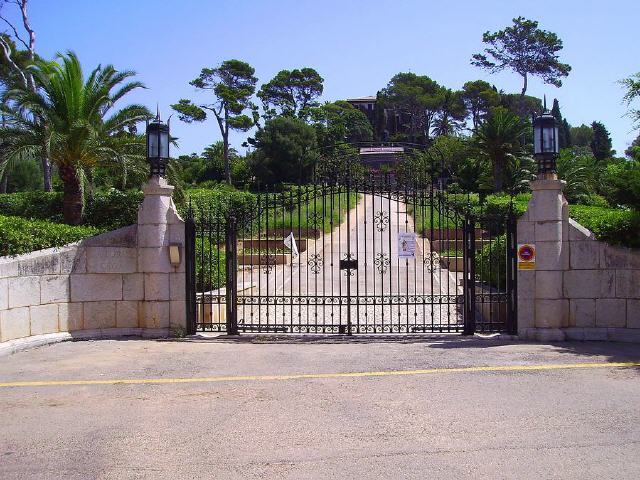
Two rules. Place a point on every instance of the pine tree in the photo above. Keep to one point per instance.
(601, 143)
(564, 129)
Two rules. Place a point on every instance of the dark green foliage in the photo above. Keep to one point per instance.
(601, 142)
(580, 171)
(614, 226)
(623, 181)
(19, 235)
(340, 122)
(526, 50)
(37, 205)
(210, 264)
(218, 202)
(113, 209)
(564, 130)
(451, 114)
(500, 140)
(286, 151)
(418, 98)
(633, 151)
(23, 176)
(581, 136)
(514, 103)
(632, 93)
(291, 92)
(233, 85)
(491, 263)
(106, 210)
(479, 98)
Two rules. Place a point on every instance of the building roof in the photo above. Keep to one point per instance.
(362, 99)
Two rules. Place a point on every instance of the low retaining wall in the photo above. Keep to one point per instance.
(117, 283)
(602, 288)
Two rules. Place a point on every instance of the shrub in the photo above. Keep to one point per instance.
(210, 266)
(491, 263)
(19, 235)
(217, 202)
(113, 209)
(623, 184)
(614, 226)
(40, 205)
(106, 210)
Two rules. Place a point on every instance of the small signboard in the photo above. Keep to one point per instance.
(406, 245)
(526, 256)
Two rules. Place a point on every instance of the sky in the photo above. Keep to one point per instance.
(356, 45)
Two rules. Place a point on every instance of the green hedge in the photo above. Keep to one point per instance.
(210, 266)
(106, 210)
(113, 209)
(39, 205)
(491, 263)
(220, 201)
(19, 235)
(614, 226)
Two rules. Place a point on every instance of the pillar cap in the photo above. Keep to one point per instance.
(548, 184)
(157, 185)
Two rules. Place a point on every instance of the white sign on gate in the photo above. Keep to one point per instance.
(406, 245)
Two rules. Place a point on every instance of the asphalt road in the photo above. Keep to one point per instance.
(285, 409)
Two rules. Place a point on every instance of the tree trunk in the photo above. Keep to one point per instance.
(46, 174)
(523, 114)
(3, 183)
(498, 180)
(225, 138)
(72, 203)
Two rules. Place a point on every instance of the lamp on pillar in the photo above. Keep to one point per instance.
(545, 141)
(158, 145)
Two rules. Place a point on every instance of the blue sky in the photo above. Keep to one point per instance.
(356, 45)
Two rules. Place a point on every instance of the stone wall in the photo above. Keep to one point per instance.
(117, 283)
(580, 288)
(602, 286)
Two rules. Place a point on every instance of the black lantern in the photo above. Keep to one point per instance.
(545, 142)
(158, 145)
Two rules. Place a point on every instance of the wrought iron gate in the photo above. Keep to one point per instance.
(361, 256)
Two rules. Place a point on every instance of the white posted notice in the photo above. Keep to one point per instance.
(406, 245)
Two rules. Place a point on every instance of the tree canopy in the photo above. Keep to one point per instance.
(233, 84)
(291, 92)
(526, 50)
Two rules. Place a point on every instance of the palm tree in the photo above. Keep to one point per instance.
(78, 127)
(499, 138)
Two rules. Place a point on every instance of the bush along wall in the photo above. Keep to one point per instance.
(19, 235)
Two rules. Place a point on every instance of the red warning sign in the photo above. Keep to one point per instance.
(526, 256)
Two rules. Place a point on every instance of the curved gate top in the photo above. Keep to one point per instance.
(361, 253)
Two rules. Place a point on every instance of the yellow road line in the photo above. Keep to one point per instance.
(301, 376)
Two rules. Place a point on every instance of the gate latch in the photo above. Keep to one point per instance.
(348, 264)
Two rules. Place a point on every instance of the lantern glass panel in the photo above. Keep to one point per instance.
(152, 137)
(164, 144)
(537, 138)
(548, 140)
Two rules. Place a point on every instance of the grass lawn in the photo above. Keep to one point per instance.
(324, 213)
(424, 216)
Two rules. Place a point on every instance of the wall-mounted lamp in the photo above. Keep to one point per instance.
(174, 254)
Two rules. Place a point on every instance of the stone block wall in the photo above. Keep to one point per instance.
(580, 288)
(602, 288)
(118, 283)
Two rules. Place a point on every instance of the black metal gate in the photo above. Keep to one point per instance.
(360, 255)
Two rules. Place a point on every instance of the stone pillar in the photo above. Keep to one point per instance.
(159, 227)
(542, 309)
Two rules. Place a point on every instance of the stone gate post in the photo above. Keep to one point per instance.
(542, 309)
(160, 228)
